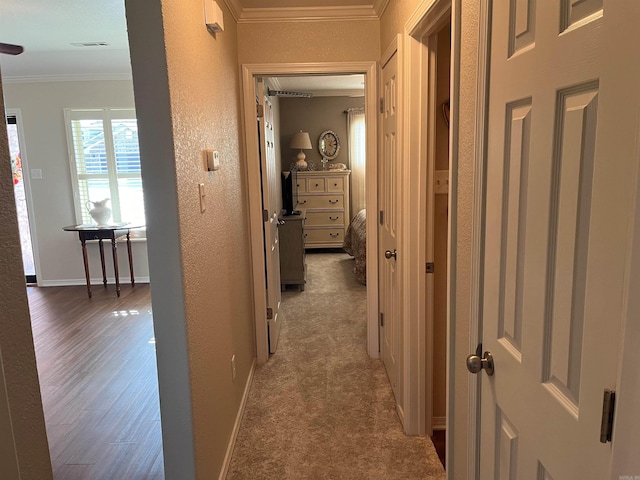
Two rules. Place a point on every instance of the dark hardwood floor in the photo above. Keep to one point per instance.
(97, 368)
(439, 440)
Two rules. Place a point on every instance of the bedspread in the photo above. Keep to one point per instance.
(355, 244)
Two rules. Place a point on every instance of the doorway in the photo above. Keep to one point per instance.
(250, 73)
(22, 193)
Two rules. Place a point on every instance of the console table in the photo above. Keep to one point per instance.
(100, 233)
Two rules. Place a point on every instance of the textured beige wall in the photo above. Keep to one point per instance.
(187, 97)
(394, 18)
(305, 42)
(16, 341)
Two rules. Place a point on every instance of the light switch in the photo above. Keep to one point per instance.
(36, 174)
(212, 159)
(203, 206)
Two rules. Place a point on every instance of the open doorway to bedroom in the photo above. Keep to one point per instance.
(316, 131)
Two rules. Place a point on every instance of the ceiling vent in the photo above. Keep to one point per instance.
(90, 44)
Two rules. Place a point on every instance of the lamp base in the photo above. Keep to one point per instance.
(301, 164)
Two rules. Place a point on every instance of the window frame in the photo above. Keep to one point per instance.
(106, 115)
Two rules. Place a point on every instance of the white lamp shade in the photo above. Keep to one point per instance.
(301, 141)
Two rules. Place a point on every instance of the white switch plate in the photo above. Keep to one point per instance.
(36, 174)
(212, 159)
(441, 182)
(203, 206)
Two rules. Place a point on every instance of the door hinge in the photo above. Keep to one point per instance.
(381, 319)
(265, 215)
(430, 267)
(608, 406)
(259, 111)
(269, 313)
(382, 105)
(381, 217)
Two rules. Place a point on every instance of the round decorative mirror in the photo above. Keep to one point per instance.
(329, 145)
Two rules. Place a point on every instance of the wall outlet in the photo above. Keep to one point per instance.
(233, 368)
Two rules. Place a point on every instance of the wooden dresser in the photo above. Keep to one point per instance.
(293, 269)
(325, 197)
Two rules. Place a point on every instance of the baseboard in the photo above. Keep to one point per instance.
(439, 423)
(236, 425)
(94, 282)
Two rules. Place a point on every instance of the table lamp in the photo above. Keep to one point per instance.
(301, 141)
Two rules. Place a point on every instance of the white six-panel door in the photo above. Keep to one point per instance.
(270, 204)
(558, 212)
(388, 228)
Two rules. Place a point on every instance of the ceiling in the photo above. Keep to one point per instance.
(47, 33)
(322, 85)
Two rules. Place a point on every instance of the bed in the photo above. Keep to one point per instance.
(355, 244)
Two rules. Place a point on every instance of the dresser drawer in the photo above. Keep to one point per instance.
(321, 201)
(335, 184)
(302, 185)
(323, 219)
(316, 185)
(324, 236)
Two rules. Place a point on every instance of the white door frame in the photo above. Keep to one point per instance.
(477, 239)
(26, 175)
(249, 72)
(417, 240)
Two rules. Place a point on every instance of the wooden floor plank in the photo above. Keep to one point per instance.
(99, 383)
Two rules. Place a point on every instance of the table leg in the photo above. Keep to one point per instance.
(133, 280)
(114, 249)
(104, 270)
(86, 265)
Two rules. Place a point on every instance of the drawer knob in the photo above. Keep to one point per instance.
(335, 184)
(333, 202)
(334, 218)
(316, 184)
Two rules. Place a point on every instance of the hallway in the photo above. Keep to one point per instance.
(321, 408)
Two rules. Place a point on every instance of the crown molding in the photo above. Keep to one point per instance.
(306, 14)
(66, 78)
(379, 6)
(235, 7)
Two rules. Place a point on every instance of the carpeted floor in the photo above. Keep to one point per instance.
(321, 408)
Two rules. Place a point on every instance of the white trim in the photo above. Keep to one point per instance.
(80, 77)
(379, 6)
(235, 8)
(254, 200)
(95, 282)
(419, 120)
(439, 423)
(307, 14)
(452, 332)
(236, 425)
(16, 112)
(477, 237)
(310, 14)
(390, 50)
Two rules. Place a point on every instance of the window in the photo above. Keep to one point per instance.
(105, 162)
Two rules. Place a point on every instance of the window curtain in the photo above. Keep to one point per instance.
(357, 158)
